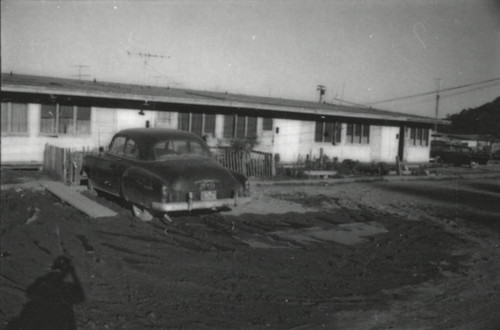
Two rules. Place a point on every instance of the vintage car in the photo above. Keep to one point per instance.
(459, 155)
(162, 170)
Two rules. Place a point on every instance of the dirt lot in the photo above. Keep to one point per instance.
(375, 255)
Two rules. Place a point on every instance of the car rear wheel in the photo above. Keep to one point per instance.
(473, 164)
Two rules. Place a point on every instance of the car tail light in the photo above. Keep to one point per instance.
(164, 193)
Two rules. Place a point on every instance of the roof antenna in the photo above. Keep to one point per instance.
(321, 90)
(80, 74)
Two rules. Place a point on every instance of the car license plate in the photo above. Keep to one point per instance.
(208, 195)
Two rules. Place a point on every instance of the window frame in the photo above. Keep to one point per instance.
(236, 120)
(331, 131)
(56, 127)
(357, 133)
(418, 136)
(204, 121)
(267, 124)
(9, 131)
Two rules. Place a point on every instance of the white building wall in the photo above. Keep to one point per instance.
(293, 140)
(30, 147)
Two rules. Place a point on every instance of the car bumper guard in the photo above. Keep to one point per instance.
(190, 205)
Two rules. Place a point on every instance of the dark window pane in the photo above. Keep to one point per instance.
(267, 124)
(184, 121)
(48, 118)
(19, 118)
(65, 124)
(328, 132)
(350, 133)
(418, 138)
(209, 124)
(197, 123)
(366, 134)
(83, 120)
(357, 133)
(251, 127)
(338, 132)
(240, 126)
(318, 132)
(5, 124)
(229, 126)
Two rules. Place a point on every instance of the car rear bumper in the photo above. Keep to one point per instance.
(199, 205)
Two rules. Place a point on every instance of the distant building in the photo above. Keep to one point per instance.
(74, 113)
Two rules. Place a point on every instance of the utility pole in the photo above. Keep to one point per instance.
(321, 90)
(80, 74)
(438, 81)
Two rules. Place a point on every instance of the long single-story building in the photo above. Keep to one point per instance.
(76, 113)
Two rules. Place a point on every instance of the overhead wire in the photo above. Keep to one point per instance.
(437, 91)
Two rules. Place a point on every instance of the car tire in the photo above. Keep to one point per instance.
(473, 164)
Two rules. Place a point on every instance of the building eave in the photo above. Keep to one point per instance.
(187, 97)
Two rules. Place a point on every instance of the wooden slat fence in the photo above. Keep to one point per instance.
(65, 163)
(251, 164)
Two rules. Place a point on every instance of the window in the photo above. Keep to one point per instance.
(198, 123)
(229, 127)
(267, 124)
(358, 133)
(418, 136)
(178, 147)
(117, 146)
(64, 119)
(328, 132)
(131, 150)
(14, 118)
(240, 126)
(164, 119)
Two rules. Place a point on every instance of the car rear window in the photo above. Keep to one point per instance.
(178, 147)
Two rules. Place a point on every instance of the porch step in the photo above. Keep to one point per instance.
(77, 200)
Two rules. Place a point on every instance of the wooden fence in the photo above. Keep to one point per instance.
(65, 163)
(251, 164)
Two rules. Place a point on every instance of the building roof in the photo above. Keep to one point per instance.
(132, 94)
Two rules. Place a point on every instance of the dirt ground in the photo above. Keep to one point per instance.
(374, 255)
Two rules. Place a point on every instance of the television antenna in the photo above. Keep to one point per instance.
(146, 57)
(80, 68)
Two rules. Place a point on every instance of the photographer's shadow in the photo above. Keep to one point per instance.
(51, 299)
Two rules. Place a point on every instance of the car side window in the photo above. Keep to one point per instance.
(117, 145)
(131, 150)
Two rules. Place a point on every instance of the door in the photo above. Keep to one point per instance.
(106, 126)
(111, 167)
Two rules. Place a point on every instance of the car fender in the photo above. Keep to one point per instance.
(140, 186)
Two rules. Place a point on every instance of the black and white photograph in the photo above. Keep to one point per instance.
(250, 164)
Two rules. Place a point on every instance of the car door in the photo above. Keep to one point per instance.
(113, 165)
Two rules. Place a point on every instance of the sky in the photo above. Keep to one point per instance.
(363, 52)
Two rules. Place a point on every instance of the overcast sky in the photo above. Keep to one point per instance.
(362, 51)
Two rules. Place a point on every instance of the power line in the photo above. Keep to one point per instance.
(434, 92)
